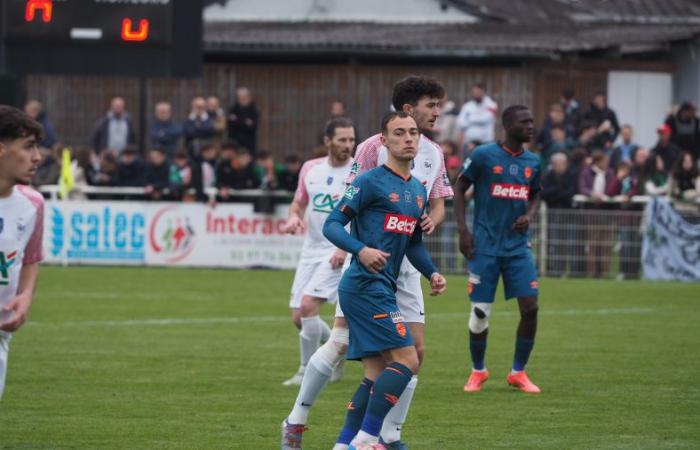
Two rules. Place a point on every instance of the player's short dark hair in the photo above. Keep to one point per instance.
(240, 151)
(335, 123)
(292, 158)
(411, 89)
(510, 112)
(391, 115)
(16, 124)
(262, 155)
(229, 145)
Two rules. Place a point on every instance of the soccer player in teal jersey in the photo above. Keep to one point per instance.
(506, 180)
(385, 206)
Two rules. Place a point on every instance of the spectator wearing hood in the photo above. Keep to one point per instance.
(36, 111)
(605, 120)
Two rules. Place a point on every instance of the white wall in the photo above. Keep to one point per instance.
(386, 11)
(641, 99)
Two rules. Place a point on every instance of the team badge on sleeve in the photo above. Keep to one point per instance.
(356, 166)
(351, 192)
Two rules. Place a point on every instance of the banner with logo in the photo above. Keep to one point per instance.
(163, 234)
(95, 232)
(671, 246)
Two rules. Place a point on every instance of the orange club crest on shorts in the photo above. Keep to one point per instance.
(401, 329)
(534, 284)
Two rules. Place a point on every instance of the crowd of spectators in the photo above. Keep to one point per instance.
(209, 149)
(584, 151)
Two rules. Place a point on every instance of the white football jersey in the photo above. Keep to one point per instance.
(428, 166)
(21, 234)
(320, 188)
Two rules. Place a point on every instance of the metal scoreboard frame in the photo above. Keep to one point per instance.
(102, 37)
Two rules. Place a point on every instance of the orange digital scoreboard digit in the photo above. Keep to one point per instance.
(43, 6)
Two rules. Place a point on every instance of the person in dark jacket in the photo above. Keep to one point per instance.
(130, 168)
(115, 131)
(36, 111)
(665, 148)
(558, 190)
(243, 118)
(163, 132)
(604, 119)
(626, 150)
(198, 129)
(157, 175)
(289, 177)
(236, 170)
(685, 129)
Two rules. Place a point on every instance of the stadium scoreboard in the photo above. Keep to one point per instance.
(126, 37)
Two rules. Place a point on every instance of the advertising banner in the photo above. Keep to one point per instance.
(168, 234)
(671, 246)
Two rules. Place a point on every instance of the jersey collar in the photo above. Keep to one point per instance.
(510, 151)
(397, 174)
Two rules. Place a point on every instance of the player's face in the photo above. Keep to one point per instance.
(19, 160)
(523, 127)
(401, 138)
(340, 147)
(426, 112)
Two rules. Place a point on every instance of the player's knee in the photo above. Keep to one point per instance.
(340, 337)
(479, 317)
(420, 351)
(333, 351)
(411, 362)
(529, 311)
(310, 306)
(296, 317)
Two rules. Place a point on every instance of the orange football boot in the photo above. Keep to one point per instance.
(522, 382)
(476, 379)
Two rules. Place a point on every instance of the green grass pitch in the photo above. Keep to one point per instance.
(194, 359)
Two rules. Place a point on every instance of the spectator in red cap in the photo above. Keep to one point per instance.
(667, 150)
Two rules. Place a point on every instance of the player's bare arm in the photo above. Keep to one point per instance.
(19, 306)
(438, 284)
(295, 221)
(429, 222)
(522, 223)
(466, 240)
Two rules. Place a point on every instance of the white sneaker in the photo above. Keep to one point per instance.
(296, 378)
(338, 372)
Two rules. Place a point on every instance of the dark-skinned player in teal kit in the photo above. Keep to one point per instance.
(506, 180)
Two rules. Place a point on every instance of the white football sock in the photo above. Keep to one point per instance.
(364, 438)
(318, 372)
(391, 428)
(310, 337)
(325, 331)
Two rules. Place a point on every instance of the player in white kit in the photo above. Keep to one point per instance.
(321, 185)
(420, 97)
(21, 224)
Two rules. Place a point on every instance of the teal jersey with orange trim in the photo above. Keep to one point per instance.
(503, 184)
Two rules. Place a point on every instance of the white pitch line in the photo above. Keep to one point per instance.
(259, 319)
